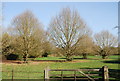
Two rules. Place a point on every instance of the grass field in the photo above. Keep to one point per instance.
(92, 62)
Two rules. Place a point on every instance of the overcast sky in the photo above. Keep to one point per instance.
(98, 15)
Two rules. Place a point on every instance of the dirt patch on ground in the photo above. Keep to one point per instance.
(11, 62)
(37, 62)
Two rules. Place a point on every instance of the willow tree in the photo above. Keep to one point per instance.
(104, 41)
(29, 34)
(66, 30)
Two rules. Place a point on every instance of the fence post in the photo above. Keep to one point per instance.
(105, 73)
(28, 75)
(12, 75)
(61, 75)
(100, 74)
(75, 75)
(46, 73)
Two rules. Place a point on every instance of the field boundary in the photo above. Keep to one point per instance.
(104, 73)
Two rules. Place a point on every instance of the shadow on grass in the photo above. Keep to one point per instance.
(114, 73)
(112, 61)
(83, 58)
(89, 68)
(47, 80)
(74, 58)
(44, 80)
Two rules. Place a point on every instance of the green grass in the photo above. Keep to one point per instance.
(91, 62)
(50, 58)
(76, 57)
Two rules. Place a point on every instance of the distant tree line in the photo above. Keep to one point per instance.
(68, 35)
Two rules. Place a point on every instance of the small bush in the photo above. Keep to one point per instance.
(31, 57)
(45, 55)
(12, 57)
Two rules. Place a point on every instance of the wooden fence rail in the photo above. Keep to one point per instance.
(13, 74)
(103, 71)
(77, 73)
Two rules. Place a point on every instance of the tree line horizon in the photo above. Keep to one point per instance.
(67, 35)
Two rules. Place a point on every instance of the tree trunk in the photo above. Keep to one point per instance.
(84, 56)
(69, 58)
(25, 58)
(104, 56)
(68, 54)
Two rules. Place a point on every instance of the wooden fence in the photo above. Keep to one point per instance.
(13, 74)
(103, 72)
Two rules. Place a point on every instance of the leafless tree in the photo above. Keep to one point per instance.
(85, 46)
(29, 34)
(66, 30)
(104, 40)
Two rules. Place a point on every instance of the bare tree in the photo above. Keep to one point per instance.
(104, 40)
(85, 46)
(66, 30)
(29, 34)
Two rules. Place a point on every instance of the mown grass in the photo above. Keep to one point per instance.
(92, 62)
(50, 58)
(76, 58)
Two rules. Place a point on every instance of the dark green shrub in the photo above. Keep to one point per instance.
(12, 57)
